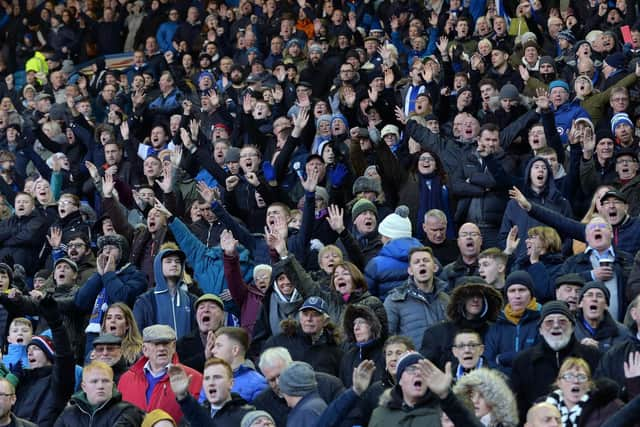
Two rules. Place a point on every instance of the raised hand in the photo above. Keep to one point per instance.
(438, 382)
(632, 366)
(373, 94)
(388, 77)
(207, 193)
(542, 99)
(362, 375)
(232, 182)
(176, 156)
(524, 73)
(228, 243)
(166, 183)
(252, 178)
(108, 185)
(55, 237)
(124, 130)
(336, 218)
(311, 182)
(194, 128)
(522, 201)
(179, 381)
(247, 105)
(162, 208)
(137, 99)
(442, 44)
(400, 116)
(186, 139)
(512, 240)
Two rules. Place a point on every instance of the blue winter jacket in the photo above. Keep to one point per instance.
(505, 340)
(388, 269)
(566, 114)
(165, 34)
(157, 306)
(207, 263)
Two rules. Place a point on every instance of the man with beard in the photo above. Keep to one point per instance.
(146, 383)
(535, 369)
(319, 72)
(210, 315)
(78, 250)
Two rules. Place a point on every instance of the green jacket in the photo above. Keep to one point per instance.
(392, 411)
(596, 103)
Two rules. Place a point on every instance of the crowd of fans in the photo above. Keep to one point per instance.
(320, 213)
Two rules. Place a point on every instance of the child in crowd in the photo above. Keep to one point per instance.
(20, 333)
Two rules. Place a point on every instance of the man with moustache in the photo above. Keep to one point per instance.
(536, 368)
(77, 248)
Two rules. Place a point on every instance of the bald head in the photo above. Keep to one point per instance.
(543, 415)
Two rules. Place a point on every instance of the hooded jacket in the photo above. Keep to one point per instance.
(134, 384)
(369, 350)
(566, 114)
(611, 364)
(157, 305)
(411, 311)
(111, 412)
(21, 238)
(494, 389)
(438, 339)
(207, 263)
(388, 269)
(549, 197)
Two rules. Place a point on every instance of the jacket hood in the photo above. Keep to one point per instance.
(358, 310)
(399, 248)
(80, 399)
(493, 386)
(549, 185)
(492, 301)
(161, 283)
(291, 328)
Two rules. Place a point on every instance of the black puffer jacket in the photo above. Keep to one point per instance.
(44, 392)
(438, 339)
(323, 355)
(113, 412)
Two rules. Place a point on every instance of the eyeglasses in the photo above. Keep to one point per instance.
(473, 234)
(426, 159)
(550, 323)
(75, 245)
(413, 369)
(580, 378)
(620, 99)
(625, 161)
(597, 226)
(471, 346)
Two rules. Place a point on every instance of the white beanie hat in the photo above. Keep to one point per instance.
(397, 224)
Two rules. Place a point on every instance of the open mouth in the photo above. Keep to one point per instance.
(368, 223)
(248, 164)
(20, 340)
(32, 360)
(113, 328)
(575, 389)
(206, 319)
(469, 244)
(422, 271)
(597, 236)
(417, 383)
(593, 308)
(467, 358)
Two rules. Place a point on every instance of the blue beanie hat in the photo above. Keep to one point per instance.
(408, 359)
(619, 119)
(559, 83)
(339, 116)
(204, 74)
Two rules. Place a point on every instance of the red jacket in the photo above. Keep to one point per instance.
(133, 386)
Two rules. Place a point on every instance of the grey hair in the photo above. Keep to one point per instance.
(435, 213)
(272, 356)
(261, 267)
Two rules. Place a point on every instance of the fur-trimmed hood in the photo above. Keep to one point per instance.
(492, 301)
(493, 387)
(358, 310)
(291, 327)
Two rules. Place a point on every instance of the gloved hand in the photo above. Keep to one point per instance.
(338, 174)
(626, 49)
(268, 171)
(316, 244)
(49, 309)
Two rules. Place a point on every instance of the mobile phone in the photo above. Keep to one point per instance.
(626, 34)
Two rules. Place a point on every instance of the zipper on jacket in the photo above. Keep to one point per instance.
(518, 336)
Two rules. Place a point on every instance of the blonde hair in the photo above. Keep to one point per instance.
(549, 237)
(132, 340)
(96, 365)
(576, 363)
